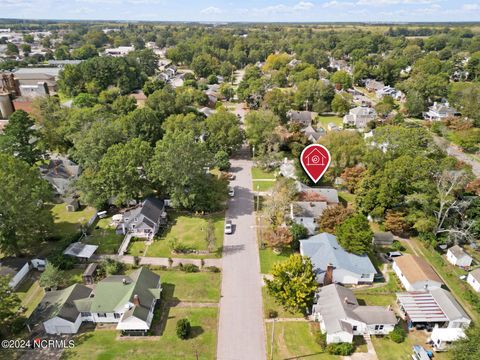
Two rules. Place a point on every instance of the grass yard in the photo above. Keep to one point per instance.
(268, 258)
(69, 223)
(195, 287)
(105, 237)
(103, 344)
(294, 340)
(30, 294)
(347, 197)
(258, 173)
(323, 121)
(263, 185)
(188, 230)
(270, 304)
(382, 295)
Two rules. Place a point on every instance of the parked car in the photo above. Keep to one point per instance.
(228, 227)
(231, 176)
(393, 254)
(231, 191)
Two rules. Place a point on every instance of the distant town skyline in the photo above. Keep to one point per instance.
(248, 10)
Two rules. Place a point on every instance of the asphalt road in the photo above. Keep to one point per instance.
(241, 333)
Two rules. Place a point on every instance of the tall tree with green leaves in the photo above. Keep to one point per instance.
(355, 235)
(24, 223)
(223, 132)
(9, 302)
(293, 284)
(19, 138)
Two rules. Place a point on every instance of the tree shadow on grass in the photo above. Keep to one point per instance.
(195, 331)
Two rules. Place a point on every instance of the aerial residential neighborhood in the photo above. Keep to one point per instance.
(159, 196)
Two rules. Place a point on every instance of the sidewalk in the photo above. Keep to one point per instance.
(158, 261)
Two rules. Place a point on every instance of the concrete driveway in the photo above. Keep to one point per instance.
(241, 330)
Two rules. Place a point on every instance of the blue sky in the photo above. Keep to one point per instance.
(247, 10)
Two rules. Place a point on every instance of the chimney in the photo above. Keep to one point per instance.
(328, 278)
(124, 281)
(136, 300)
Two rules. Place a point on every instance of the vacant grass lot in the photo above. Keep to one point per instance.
(269, 303)
(294, 340)
(323, 121)
(188, 230)
(195, 287)
(258, 173)
(69, 223)
(103, 344)
(263, 185)
(268, 258)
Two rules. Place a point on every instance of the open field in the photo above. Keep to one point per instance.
(258, 173)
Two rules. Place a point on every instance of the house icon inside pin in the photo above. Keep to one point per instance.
(315, 158)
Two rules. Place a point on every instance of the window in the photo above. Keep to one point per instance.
(102, 315)
(85, 314)
(378, 327)
(116, 315)
(365, 276)
(354, 328)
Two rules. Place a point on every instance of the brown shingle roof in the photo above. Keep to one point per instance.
(414, 268)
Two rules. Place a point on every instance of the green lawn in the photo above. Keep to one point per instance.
(69, 223)
(30, 294)
(382, 295)
(105, 237)
(195, 287)
(268, 258)
(347, 197)
(73, 276)
(188, 230)
(258, 173)
(294, 340)
(263, 185)
(323, 121)
(103, 344)
(270, 304)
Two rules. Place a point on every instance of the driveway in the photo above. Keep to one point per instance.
(457, 153)
(240, 330)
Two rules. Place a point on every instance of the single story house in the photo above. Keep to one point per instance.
(383, 238)
(287, 169)
(145, 220)
(360, 116)
(61, 311)
(304, 118)
(80, 250)
(415, 273)
(473, 278)
(374, 85)
(442, 338)
(127, 301)
(457, 256)
(436, 307)
(313, 134)
(306, 213)
(119, 51)
(439, 111)
(18, 268)
(307, 193)
(341, 317)
(324, 252)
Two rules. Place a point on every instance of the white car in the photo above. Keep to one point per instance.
(228, 227)
(231, 191)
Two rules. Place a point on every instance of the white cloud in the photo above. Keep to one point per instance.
(394, 2)
(211, 10)
(303, 5)
(471, 7)
(284, 9)
(337, 4)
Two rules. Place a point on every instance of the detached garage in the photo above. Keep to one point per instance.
(60, 311)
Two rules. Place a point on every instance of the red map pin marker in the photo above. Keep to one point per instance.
(315, 160)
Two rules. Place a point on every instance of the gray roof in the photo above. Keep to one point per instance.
(330, 194)
(450, 307)
(303, 117)
(458, 252)
(363, 111)
(308, 208)
(61, 303)
(323, 249)
(60, 172)
(336, 304)
(32, 72)
(149, 213)
(309, 131)
(10, 266)
(383, 237)
(80, 250)
(476, 274)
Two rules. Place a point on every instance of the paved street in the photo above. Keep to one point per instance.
(455, 151)
(241, 331)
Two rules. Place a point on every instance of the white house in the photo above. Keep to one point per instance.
(415, 273)
(439, 111)
(119, 51)
(127, 301)
(18, 268)
(457, 256)
(360, 116)
(341, 317)
(145, 220)
(442, 338)
(473, 278)
(325, 253)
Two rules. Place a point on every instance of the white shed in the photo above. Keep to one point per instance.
(443, 337)
(473, 279)
(457, 256)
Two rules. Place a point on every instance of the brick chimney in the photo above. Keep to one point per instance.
(328, 278)
(136, 300)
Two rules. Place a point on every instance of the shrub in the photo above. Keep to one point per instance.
(183, 328)
(136, 261)
(398, 334)
(51, 277)
(61, 261)
(321, 339)
(213, 269)
(110, 267)
(272, 314)
(343, 349)
(18, 325)
(190, 268)
(397, 245)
